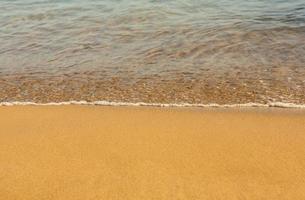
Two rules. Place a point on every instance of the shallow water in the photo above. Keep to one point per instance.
(157, 51)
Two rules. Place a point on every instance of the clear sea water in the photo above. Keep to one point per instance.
(153, 51)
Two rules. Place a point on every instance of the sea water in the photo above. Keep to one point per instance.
(158, 52)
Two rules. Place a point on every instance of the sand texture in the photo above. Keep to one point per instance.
(95, 152)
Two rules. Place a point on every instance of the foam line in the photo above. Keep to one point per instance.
(109, 103)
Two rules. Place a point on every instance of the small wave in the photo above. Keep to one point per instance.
(109, 103)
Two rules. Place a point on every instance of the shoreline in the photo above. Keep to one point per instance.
(143, 104)
(109, 152)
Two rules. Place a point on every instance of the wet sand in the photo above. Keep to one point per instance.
(92, 152)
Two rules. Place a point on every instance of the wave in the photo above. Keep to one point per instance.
(109, 103)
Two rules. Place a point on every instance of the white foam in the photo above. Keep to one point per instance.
(110, 103)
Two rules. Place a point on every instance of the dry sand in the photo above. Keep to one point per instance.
(89, 152)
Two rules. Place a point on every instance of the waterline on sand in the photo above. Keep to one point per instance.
(110, 103)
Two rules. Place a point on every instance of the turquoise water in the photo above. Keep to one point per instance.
(190, 51)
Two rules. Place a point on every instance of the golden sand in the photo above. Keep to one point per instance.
(89, 152)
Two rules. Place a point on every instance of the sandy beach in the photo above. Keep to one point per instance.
(96, 152)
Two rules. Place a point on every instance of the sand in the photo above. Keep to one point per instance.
(95, 152)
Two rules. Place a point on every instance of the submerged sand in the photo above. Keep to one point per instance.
(90, 152)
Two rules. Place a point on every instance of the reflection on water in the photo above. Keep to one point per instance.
(195, 51)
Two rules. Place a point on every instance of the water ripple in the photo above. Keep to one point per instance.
(227, 51)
